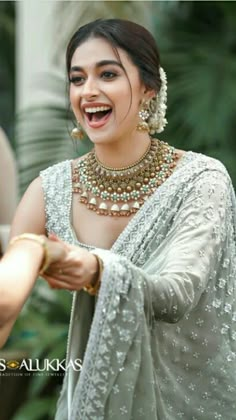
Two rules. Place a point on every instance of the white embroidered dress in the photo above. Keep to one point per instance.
(160, 343)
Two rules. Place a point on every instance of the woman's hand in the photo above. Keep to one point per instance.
(74, 270)
(57, 250)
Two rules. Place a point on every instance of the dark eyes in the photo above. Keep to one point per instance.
(108, 75)
(76, 80)
(79, 80)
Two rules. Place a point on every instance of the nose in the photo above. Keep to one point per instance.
(90, 88)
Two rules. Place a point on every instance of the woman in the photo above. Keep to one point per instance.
(159, 340)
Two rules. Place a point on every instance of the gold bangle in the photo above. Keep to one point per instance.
(41, 241)
(93, 287)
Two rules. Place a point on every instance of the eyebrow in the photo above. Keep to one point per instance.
(99, 64)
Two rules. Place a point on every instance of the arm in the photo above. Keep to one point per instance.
(194, 248)
(20, 265)
(188, 260)
(19, 269)
(30, 213)
(174, 278)
(18, 272)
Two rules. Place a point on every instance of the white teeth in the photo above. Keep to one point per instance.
(97, 109)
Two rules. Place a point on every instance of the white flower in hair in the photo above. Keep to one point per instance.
(157, 120)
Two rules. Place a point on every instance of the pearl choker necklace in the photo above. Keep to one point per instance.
(122, 191)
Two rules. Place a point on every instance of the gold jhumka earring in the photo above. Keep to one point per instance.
(77, 132)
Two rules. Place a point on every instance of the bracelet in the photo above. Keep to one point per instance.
(93, 288)
(41, 241)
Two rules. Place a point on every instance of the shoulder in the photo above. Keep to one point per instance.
(204, 165)
(209, 180)
(60, 168)
(199, 175)
(56, 169)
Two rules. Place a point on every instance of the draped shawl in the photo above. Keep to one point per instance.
(160, 340)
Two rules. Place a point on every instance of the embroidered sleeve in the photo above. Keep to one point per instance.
(193, 251)
(191, 254)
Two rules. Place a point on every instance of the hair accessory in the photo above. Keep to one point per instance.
(40, 239)
(77, 132)
(157, 107)
(93, 288)
(144, 114)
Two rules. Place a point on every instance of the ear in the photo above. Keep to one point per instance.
(149, 93)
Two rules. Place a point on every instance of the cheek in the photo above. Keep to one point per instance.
(130, 104)
(74, 95)
(133, 97)
(71, 94)
(74, 99)
(127, 102)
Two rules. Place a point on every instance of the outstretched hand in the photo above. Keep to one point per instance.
(73, 269)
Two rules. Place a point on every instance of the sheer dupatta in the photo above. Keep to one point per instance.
(157, 270)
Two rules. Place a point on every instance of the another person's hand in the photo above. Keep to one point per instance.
(74, 270)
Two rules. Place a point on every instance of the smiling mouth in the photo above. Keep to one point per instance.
(98, 114)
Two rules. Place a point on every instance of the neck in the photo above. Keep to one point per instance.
(123, 153)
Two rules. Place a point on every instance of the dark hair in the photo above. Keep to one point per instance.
(129, 36)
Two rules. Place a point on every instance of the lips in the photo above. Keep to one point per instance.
(96, 115)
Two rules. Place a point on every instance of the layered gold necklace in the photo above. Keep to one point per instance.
(122, 191)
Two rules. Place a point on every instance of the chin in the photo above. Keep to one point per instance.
(101, 138)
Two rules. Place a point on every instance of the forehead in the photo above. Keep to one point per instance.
(95, 50)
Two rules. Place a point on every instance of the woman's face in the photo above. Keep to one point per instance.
(103, 99)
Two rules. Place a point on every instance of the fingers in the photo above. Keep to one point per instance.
(58, 283)
(58, 274)
(60, 277)
(64, 267)
(53, 237)
(72, 265)
(57, 251)
(72, 272)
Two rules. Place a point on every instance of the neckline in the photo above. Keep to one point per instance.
(129, 225)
